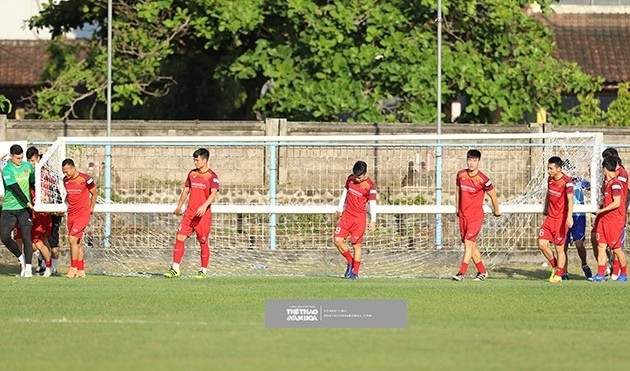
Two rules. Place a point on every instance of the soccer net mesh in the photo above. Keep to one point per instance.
(274, 212)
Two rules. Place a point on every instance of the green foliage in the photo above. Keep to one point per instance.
(5, 104)
(359, 60)
(618, 113)
(587, 112)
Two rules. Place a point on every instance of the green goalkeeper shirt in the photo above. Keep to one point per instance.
(23, 175)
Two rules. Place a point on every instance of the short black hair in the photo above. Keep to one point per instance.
(67, 161)
(201, 152)
(609, 163)
(473, 153)
(612, 152)
(555, 160)
(359, 168)
(32, 152)
(16, 149)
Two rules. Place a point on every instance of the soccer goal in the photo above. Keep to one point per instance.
(274, 213)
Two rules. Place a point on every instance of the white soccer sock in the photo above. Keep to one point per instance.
(21, 259)
(28, 268)
(176, 266)
(204, 270)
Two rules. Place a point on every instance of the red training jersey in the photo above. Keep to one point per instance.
(613, 188)
(359, 193)
(200, 184)
(558, 192)
(623, 179)
(472, 189)
(78, 193)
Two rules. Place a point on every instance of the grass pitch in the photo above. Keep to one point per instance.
(105, 323)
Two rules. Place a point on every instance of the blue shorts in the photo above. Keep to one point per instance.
(578, 231)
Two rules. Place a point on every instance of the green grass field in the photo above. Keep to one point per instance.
(219, 323)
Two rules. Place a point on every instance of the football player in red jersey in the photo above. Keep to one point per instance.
(471, 187)
(202, 185)
(357, 192)
(558, 209)
(81, 197)
(612, 220)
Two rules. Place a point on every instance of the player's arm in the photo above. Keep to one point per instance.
(93, 198)
(569, 222)
(372, 226)
(495, 202)
(17, 191)
(182, 199)
(342, 202)
(616, 202)
(202, 209)
(458, 190)
(546, 204)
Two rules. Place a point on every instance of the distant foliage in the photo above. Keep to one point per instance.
(5, 104)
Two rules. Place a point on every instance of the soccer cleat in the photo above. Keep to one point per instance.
(621, 278)
(54, 272)
(587, 272)
(458, 277)
(480, 276)
(553, 273)
(353, 276)
(81, 274)
(47, 272)
(27, 274)
(72, 273)
(171, 273)
(348, 271)
(555, 279)
(613, 277)
(565, 277)
(40, 270)
(201, 275)
(599, 278)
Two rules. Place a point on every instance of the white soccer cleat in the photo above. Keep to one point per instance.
(47, 272)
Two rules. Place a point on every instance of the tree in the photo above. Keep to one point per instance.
(360, 60)
(618, 113)
(5, 104)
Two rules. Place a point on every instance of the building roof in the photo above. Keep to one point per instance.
(599, 43)
(22, 62)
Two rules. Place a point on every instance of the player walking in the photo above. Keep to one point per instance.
(558, 210)
(611, 222)
(18, 177)
(471, 187)
(81, 197)
(202, 185)
(358, 191)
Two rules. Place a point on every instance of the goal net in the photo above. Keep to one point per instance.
(274, 212)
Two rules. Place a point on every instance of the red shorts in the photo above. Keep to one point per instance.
(469, 228)
(200, 225)
(42, 227)
(77, 224)
(610, 234)
(554, 230)
(351, 226)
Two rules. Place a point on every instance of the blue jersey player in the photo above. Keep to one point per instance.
(577, 233)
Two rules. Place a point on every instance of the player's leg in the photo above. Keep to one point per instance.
(561, 261)
(565, 276)
(559, 232)
(54, 242)
(614, 260)
(76, 229)
(7, 222)
(623, 271)
(581, 250)
(482, 273)
(601, 258)
(202, 229)
(25, 223)
(339, 239)
(179, 248)
(357, 231)
(544, 239)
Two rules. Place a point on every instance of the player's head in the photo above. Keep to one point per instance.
(33, 155)
(609, 164)
(68, 168)
(17, 154)
(201, 157)
(554, 166)
(359, 169)
(612, 152)
(472, 159)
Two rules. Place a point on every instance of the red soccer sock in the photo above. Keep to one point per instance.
(348, 256)
(48, 263)
(480, 267)
(601, 270)
(355, 267)
(463, 268)
(205, 255)
(624, 270)
(559, 271)
(81, 265)
(74, 263)
(616, 267)
(553, 262)
(178, 251)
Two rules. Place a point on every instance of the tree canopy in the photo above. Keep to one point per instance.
(359, 60)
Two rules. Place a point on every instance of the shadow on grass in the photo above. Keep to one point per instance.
(533, 274)
(9, 269)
